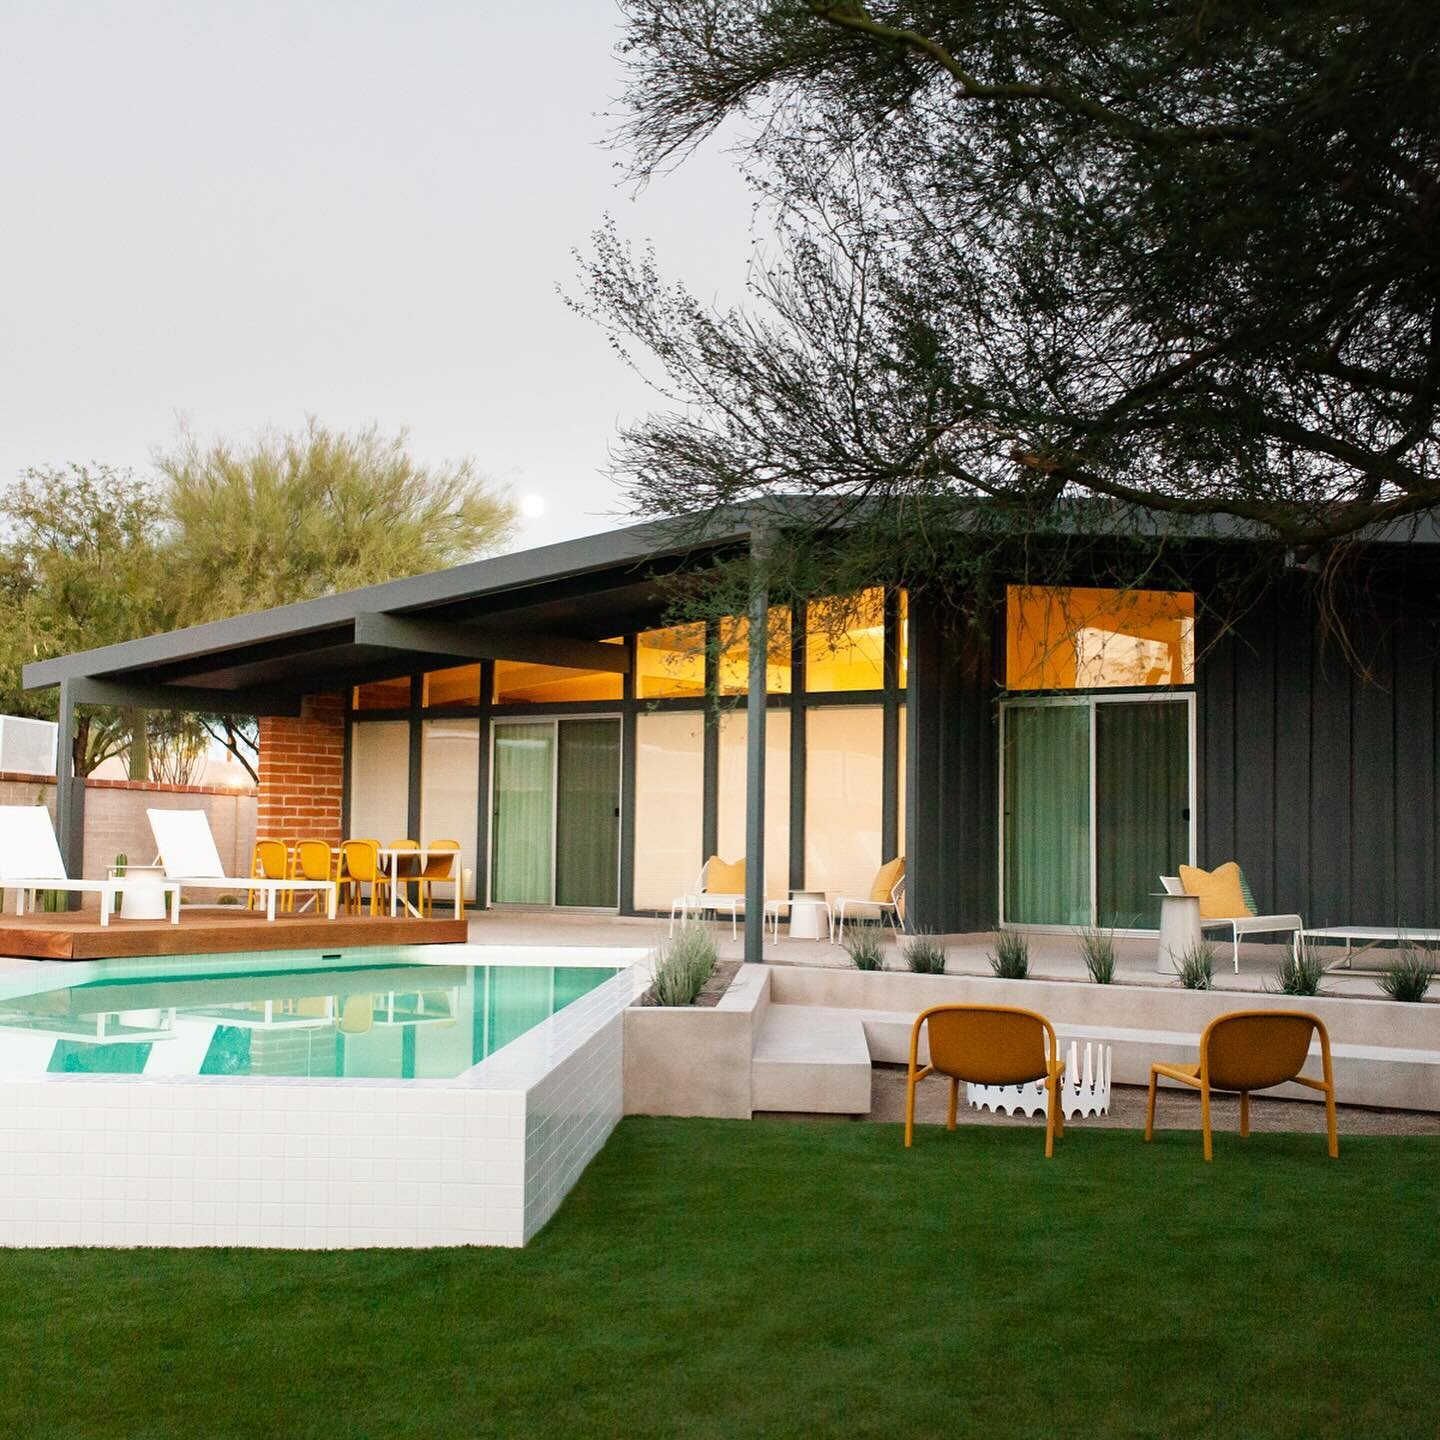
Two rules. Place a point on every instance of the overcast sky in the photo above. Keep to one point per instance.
(239, 213)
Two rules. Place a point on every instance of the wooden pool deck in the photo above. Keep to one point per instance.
(79, 935)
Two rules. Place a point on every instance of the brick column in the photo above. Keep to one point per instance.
(302, 764)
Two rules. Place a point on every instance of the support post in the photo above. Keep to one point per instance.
(69, 792)
(758, 655)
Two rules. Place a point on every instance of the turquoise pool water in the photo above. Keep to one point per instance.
(380, 1015)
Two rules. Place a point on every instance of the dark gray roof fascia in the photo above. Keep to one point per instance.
(633, 545)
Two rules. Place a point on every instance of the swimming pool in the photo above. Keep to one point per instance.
(369, 1015)
(434, 1095)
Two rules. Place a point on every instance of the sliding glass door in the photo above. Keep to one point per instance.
(522, 840)
(1096, 807)
(555, 816)
(1047, 815)
(587, 814)
(1142, 808)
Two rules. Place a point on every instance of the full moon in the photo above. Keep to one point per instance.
(532, 507)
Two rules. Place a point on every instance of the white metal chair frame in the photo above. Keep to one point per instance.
(701, 900)
(1239, 925)
(893, 907)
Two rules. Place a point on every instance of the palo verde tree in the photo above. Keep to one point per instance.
(1178, 264)
(92, 555)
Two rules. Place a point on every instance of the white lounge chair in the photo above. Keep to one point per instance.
(188, 853)
(30, 860)
(886, 899)
(702, 900)
(1238, 925)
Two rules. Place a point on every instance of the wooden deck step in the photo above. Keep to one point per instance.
(68, 936)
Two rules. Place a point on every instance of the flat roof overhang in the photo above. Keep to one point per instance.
(551, 605)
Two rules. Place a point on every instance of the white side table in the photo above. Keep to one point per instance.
(142, 900)
(809, 915)
(1179, 930)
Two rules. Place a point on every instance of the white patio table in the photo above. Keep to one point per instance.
(1370, 935)
(389, 857)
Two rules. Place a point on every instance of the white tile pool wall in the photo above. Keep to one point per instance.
(484, 1159)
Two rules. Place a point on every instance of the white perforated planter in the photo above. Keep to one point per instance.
(1084, 1090)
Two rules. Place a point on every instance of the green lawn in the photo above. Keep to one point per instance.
(728, 1279)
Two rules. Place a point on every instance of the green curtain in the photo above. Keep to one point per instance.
(524, 808)
(1142, 791)
(587, 847)
(1047, 814)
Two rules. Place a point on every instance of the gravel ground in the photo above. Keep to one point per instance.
(1175, 1110)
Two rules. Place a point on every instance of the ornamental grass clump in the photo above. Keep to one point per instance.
(864, 950)
(683, 964)
(1299, 973)
(1097, 946)
(1197, 967)
(1409, 977)
(925, 955)
(1010, 960)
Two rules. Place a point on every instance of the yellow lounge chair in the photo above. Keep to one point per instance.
(1252, 1050)
(986, 1045)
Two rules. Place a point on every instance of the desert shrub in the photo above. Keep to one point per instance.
(1409, 975)
(1097, 946)
(864, 948)
(1010, 959)
(925, 955)
(1300, 972)
(683, 964)
(1197, 967)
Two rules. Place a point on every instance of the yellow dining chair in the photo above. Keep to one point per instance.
(313, 860)
(270, 860)
(442, 869)
(1252, 1050)
(360, 866)
(986, 1045)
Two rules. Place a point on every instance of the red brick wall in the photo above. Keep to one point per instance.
(302, 764)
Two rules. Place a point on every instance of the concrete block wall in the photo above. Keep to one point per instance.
(302, 772)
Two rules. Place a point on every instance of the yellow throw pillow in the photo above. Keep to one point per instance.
(723, 878)
(886, 878)
(1221, 897)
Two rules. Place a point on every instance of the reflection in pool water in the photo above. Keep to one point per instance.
(337, 1017)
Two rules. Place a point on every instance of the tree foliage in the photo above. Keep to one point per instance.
(292, 516)
(94, 555)
(1177, 260)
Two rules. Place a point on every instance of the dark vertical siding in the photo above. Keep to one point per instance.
(951, 770)
(1318, 776)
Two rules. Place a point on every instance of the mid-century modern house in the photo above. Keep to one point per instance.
(538, 708)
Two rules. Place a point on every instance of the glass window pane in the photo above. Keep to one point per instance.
(670, 662)
(450, 790)
(734, 643)
(458, 686)
(902, 638)
(845, 642)
(1074, 639)
(730, 813)
(382, 695)
(844, 778)
(518, 682)
(669, 797)
(900, 779)
(1047, 814)
(379, 780)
